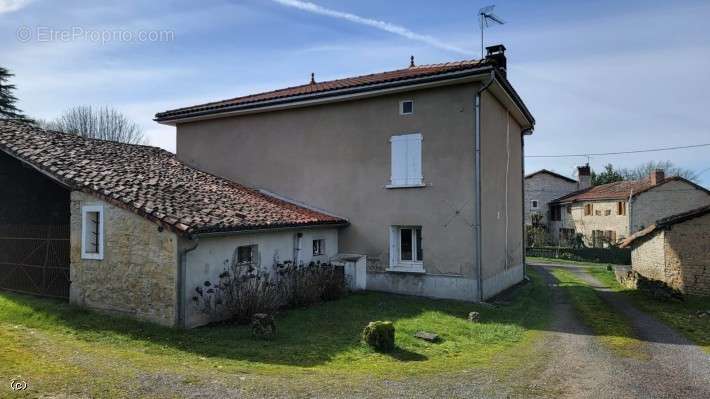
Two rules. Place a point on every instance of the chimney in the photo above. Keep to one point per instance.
(657, 176)
(584, 177)
(497, 55)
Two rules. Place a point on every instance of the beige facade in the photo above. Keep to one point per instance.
(542, 188)
(679, 256)
(336, 157)
(604, 217)
(137, 276)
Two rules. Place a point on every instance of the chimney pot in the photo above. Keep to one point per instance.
(497, 55)
(657, 176)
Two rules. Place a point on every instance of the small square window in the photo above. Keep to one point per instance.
(92, 232)
(318, 247)
(533, 204)
(246, 254)
(406, 107)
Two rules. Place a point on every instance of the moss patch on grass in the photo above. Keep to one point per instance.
(679, 315)
(61, 348)
(612, 329)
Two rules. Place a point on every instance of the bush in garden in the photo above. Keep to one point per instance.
(379, 335)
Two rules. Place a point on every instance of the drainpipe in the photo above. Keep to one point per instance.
(182, 273)
(477, 186)
(629, 228)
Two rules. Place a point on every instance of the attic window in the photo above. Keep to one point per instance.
(406, 107)
(92, 232)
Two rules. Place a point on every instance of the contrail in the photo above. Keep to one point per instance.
(382, 25)
(12, 5)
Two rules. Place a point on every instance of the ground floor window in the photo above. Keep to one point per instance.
(318, 247)
(92, 232)
(246, 254)
(406, 248)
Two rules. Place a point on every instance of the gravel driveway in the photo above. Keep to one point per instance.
(672, 368)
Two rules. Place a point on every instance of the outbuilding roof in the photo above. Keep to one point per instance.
(153, 183)
(665, 223)
(619, 190)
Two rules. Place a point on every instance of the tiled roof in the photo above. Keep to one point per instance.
(328, 86)
(665, 222)
(551, 173)
(153, 183)
(619, 190)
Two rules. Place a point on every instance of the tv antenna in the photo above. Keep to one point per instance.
(486, 16)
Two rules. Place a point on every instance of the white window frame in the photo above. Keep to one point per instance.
(322, 247)
(396, 263)
(401, 107)
(254, 252)
(534, 204)
(411, 162)
(84, 231)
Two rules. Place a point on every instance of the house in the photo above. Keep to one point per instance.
(675, 250)
(130, 230)
(425, 162)
(543, 186)
(608, 213)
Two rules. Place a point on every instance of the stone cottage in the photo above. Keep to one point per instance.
(608, 213)
(675, 250)
(130, 230)
(544, 186)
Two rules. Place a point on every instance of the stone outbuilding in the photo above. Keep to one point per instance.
(675, 250)
(130, 230)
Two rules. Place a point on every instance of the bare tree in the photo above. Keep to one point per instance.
(642, 171)
(104, 123)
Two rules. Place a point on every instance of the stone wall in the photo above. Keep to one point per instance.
(598, 220)
(137, 276)
(687, 253)
(665, 200)
(648, 257)
(544, 188)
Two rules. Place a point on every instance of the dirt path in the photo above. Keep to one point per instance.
(673, 367)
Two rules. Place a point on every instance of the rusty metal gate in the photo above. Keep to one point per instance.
(35, 259)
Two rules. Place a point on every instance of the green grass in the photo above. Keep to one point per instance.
(556, 261)
(679, 315)
(612, 329)
(61, 348)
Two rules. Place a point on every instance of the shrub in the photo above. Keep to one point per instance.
(379, 335)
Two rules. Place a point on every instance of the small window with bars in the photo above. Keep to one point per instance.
(92, 232)
(318, 247)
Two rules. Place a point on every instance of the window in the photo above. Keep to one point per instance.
(621, 208)
(246, 255)
(569, 209)
(406, 107)
(555, 213)
(406, 252)
(318, 247)
(588, 208)
(607, 212)
(533, 204)
(92, 232)
(406, 161)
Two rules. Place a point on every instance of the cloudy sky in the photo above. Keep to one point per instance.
(598, 76)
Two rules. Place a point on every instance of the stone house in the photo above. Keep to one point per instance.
(131, 230)
(541, 188)
(608, 213)
(675, 250)
(425, 162)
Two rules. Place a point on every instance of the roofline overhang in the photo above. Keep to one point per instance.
(502, 89)
(262, 229)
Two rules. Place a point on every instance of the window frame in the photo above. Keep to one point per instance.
(415, 265)
(321, 246)
(401, 107)
(85, 210)
(253, 253)
(406, 181)
(621, 208)
(534, 204)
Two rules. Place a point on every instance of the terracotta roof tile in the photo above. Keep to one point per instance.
(153, 183)
(665, 222)
(324, 87)
(619, 190)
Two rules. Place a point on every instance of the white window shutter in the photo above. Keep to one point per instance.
(399, 160)
(414, 159)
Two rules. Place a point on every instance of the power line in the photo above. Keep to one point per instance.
(619, 152)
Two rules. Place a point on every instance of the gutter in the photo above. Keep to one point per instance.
(273, 229)
(181, 289)
(477, 185)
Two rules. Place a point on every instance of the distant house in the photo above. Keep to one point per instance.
(130, 230)
(608, 213)
(675, 250)
(544, 186)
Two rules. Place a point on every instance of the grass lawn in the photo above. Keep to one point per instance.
(56, 347)
(612, 329)
(548, 261)
(679, 315)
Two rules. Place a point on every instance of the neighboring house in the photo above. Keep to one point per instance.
(130, 230)
(675, 250)
(425, 162)
(608, 213)
(541, 187)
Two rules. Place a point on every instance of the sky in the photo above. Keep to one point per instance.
(599, 76)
